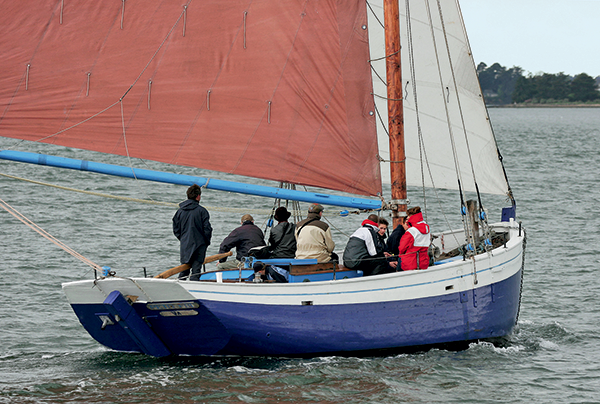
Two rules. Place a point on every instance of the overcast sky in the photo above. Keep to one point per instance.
(549, 36)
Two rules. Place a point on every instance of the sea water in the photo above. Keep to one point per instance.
(553, 356)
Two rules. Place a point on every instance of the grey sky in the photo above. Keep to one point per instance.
(549, 36)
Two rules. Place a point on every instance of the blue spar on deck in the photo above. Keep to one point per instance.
(181, 179)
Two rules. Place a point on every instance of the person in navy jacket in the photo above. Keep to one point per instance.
(191, 226)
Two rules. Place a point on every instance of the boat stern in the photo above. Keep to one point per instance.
(155, 317)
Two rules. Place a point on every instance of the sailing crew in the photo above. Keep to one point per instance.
(191, 226)
(282, 240)
(243, 238)
(365, 250)
(414, 244)
(313, 237)
(393, 242)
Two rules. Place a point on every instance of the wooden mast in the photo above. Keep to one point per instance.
(395, 109)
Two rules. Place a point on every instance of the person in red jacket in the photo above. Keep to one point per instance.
(415, 242)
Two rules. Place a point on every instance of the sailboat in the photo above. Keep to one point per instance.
(328, 94)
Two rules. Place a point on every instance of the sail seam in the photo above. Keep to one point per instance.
(268, 110)
(29, 63)
(93, 66)
(343, 60)
(218, 75)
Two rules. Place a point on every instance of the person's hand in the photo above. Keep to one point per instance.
(394, 264)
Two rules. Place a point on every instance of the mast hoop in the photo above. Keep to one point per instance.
(384, 57)
(386, 98)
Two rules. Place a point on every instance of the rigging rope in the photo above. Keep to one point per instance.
(465, 219)
(48, 236)
(296, 211)
(422, 154)
(375, 15)
(377, 74)
(422, 149)
(482, 215)
(383, 124)
(81, 191)
(126, 198)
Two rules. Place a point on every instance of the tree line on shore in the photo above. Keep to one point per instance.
(502, 86)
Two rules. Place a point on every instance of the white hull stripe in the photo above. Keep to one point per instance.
(354, 291)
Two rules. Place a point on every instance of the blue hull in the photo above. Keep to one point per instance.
(226, 328)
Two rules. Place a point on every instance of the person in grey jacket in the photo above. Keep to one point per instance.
(282, 241)
(191, 226)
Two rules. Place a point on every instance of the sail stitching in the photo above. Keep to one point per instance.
(437, 57)
(201, 109)
(157, 50)
(123, 96)
(78, 123)
(343, 60)
(268, 110)
(158, 64)
(28, 66)
(93, 66)
(459, 104)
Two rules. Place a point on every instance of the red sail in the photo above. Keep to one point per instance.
(279, 90)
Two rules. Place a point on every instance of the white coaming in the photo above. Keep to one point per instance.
(145, 289)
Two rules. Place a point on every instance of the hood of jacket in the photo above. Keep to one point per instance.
(370, 223)
(189, 204)
(417, 222)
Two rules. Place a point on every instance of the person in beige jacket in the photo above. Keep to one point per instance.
(313, 237)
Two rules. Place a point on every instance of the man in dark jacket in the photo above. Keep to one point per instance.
(245, 237)
(393, 241)
(282, 241)
(192, 227)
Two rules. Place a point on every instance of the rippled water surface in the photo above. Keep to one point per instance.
(552, 159)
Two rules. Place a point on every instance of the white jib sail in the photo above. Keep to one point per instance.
(447, 129)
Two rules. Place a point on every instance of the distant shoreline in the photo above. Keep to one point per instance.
(545, 106)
